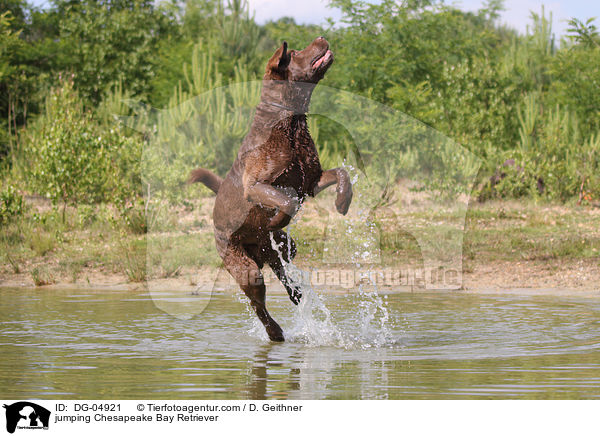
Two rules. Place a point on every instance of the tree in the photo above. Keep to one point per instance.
(111, 41)
(73, 159)
(10, 44)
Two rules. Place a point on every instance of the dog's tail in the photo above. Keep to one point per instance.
(212, 181)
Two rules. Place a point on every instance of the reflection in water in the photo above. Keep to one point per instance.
(257, 383)
(119, 345)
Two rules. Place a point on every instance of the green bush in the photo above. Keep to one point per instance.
(11, 204)
(575, 85)
(74, 159)
(552, 148)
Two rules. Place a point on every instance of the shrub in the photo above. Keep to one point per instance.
(552, 149)
(75, 159)
(41, 276)
(11, 204)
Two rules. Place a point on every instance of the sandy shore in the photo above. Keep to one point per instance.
(576, 279)
(509, 247)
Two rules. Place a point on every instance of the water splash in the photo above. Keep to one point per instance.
(313, 324)
(256, 330)
(374, 319)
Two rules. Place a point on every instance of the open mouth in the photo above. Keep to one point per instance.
(322, 60)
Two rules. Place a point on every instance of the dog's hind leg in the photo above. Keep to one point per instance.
(287, 251)
(246, 273)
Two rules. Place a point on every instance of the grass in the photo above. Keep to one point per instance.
(41, 242)
(134, 261)
(41, 276)
(94, 241)
(515, 233)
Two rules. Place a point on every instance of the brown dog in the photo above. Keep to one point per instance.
(277, 166)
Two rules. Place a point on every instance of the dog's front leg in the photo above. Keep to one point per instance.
(343, 188)
(267, 195)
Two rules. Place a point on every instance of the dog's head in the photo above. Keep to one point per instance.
(308, 65)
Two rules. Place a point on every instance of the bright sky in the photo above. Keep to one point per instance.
(517, 11)
(516, 15)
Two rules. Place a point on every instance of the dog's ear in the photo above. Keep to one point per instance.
(284, 58)
(280, 59)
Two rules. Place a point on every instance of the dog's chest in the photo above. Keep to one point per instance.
(304, 169)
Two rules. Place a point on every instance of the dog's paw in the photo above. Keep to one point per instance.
(343, 200)
(275, 333)
(295, 294)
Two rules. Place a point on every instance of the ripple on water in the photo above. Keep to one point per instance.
(338, 346)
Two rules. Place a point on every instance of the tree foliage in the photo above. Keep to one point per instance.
(502, 94)
(74, 159)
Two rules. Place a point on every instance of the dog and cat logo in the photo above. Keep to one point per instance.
(26, 415)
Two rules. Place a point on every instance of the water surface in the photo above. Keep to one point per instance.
(118, 345)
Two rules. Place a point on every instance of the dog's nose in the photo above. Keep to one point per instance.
(321, 40)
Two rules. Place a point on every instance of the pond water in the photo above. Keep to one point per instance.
(118, 345)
